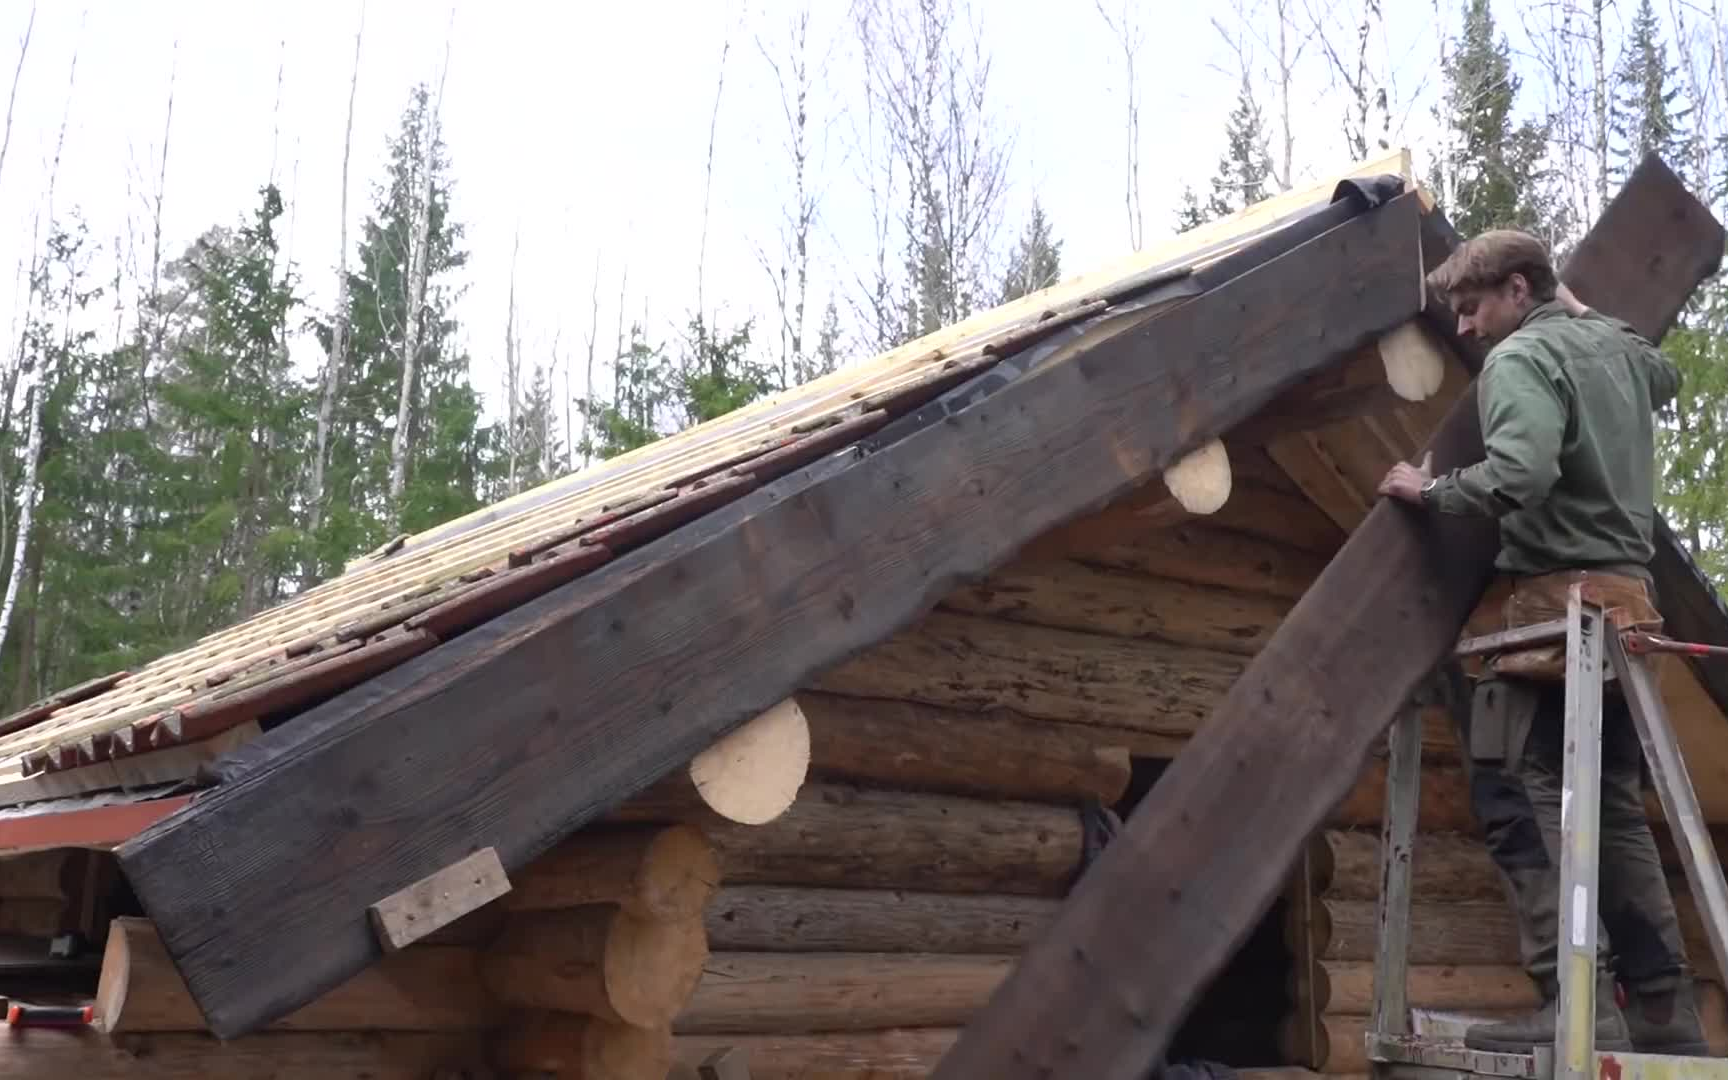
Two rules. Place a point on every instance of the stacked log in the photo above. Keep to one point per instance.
(1463, 953)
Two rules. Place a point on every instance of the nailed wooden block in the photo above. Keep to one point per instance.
(438, 900)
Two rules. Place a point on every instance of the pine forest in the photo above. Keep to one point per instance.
(197, 423)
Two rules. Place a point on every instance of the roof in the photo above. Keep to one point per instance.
(388, 607)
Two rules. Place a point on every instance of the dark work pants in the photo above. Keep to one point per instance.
(1518, 805)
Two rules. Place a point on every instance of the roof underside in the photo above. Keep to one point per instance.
(401, 601)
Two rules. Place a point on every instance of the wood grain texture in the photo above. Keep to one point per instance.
(1283, 748)
(1205, 554)
(1443, 802)
(901, 1054)
(1468, 988)
(994, 753)
(41, 1053)
(970, 662)
(1444, 867)
(796, 993)
(652, 873)
(596, 689)
(846, 837)
(1072, 596)
(767, 918)
(437, 900)
(426, 988)
(564, 1045)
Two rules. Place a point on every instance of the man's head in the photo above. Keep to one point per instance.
(1493, 280)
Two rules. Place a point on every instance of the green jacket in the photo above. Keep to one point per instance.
(1566, 408)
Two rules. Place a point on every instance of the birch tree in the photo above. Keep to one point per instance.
(788, 270)
(17, 77)
(1125, 27)
(337, 356)
(418, 263)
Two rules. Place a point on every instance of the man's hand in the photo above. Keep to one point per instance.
(1574, 307)
(1405, 480)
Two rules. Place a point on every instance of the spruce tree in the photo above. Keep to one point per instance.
(827, 356)
(1036, 261)
(1245, 168)
(1493, 165)
(1190, 214)
(1647, 116)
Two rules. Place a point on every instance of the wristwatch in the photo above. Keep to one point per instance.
(1428, 490)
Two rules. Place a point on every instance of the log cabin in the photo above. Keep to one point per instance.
(782, 739)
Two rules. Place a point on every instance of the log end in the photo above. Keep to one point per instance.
(752, 774)
(116, 976)
(1200, 482)
(565, 1044)
(652, 968)
(1415, 367)
(678, 876)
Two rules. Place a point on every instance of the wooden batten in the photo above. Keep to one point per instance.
(652, 872)
(902, 1054)
(845, 837)
(749, 776)
(995, 753)
(565, 1045)
(597, 961)
(425, 988)
(772, 918)
(42, 1053)
(801, 993)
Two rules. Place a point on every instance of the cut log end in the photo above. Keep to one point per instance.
(1201, 480)
(651, 969)
(566, 1045)
(651, 872)
(753, 773)
(1415, 367)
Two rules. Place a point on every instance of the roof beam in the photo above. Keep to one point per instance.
(520, 731)
(1176, 893)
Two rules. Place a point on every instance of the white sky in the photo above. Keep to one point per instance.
(584, 125)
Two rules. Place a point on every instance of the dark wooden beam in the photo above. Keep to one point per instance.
(1202, 857)
(522, 730)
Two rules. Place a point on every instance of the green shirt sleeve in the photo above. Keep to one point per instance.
(1660, 373)
(1523, 424)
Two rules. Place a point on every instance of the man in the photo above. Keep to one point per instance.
(1566, 397)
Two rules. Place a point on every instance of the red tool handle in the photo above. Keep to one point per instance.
(49, 1015)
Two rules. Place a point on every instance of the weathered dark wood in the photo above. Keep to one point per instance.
(1205, 554)
(766, 918)
(534, 723)
(1445, 867)
(1099, 996)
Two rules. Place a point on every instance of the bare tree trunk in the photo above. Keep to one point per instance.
(1128, 35)
(40, 383)
(588, 381)
(791, 298)
(1599, 55)
(153, 303)
(708, 182)
(512, 380)
(339, 322)
(418, 261)
(17, 76)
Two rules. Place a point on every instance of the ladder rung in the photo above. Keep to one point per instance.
(1538, 634)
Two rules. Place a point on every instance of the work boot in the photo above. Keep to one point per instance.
(1666, 1021)
(1523, 1035)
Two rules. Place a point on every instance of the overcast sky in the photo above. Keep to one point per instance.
(583, 127)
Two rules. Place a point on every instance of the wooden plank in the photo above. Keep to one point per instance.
(1283, 748)
(591, 692)
(97, 827)
(438, 899)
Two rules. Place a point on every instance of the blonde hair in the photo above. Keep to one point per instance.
(1487, 260)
